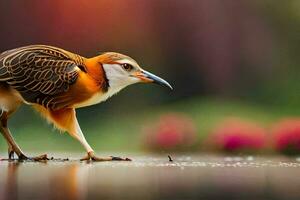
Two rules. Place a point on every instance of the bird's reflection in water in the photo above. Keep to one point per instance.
(42, 181)
(69, 182)
(10, 181)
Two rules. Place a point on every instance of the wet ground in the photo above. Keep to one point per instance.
(154, 177)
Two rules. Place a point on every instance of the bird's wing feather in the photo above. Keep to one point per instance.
(39, 72)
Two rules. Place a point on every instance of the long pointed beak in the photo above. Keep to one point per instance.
(148, 77)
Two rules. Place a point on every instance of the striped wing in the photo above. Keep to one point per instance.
(40, 72)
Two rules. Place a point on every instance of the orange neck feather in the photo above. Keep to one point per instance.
(96, 71)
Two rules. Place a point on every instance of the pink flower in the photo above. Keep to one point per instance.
(235, 135)
(287, 136)
(171, 132)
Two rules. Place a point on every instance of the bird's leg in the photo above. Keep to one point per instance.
(65, 119)
(13, 146)
(90, 152)
(11, 153)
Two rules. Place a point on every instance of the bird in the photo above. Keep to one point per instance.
(56, 82)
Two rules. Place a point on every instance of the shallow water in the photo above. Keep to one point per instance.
(153, 177)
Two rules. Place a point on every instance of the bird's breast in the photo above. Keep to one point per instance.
(97, 98)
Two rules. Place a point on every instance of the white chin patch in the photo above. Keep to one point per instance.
(118, 78)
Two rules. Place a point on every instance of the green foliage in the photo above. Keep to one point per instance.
(122, 131)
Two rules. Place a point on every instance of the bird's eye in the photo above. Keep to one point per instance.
(127, 67)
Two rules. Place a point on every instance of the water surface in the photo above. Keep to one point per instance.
(153, 177)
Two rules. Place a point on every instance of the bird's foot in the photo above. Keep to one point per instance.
(43, 157)
(21, 157)
(91, 156)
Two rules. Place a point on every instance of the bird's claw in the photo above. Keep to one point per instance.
(43, 157)
(92, 157)
(120, 159)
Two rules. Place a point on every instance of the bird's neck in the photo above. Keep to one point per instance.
(95, 71)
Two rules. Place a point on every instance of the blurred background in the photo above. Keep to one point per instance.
(233, 64)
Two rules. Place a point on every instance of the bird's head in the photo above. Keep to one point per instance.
(121, 71)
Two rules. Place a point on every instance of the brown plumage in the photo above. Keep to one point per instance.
(40, 73)
(56, 82)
